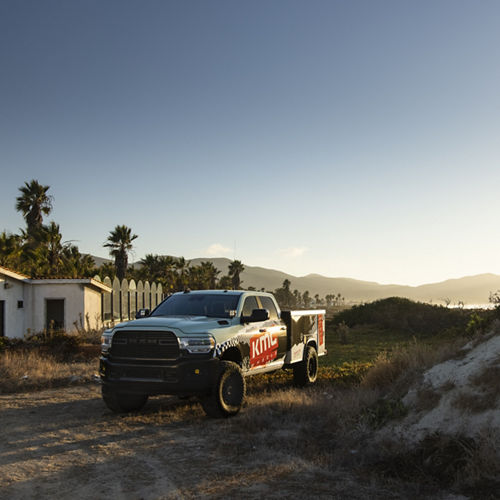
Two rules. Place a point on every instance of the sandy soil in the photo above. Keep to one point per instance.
(64, 443)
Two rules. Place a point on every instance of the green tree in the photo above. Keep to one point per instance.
(10, 250)
(236, 267)
(284, 296)
(77, 265)
(306, 299)
(33, 203)
(159, 268)
(53, 248)
(120, 243)
(209, 275)
(107, 269)
(225, 283)
(182, 266)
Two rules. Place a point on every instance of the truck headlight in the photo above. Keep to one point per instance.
(106, 340)
(197, 345)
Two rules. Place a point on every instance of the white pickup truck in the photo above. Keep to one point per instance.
(205, 343)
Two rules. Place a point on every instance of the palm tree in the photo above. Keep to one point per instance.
(160, 268)
(120, 242)
(150, 267)
(182, 266)
(306, 299)
(297, 298)
(54, 248)
(210, 273)
(33, 203)
(225, 282)
(75, 264)
(235, 269)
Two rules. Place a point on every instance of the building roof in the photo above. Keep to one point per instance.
(55, 281)
(13, 274)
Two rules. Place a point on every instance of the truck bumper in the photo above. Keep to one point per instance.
(182, 377)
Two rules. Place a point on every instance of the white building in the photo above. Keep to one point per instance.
(28, 306)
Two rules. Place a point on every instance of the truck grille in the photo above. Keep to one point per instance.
(144, 345)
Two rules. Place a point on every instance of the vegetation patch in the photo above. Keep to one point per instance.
(414, 318)
(457, 462)
(383, 411)
(32, 370)
(427, 399)
(476, 402)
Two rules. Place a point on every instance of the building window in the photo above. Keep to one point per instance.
(20, 304)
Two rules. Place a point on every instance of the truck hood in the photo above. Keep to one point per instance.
(186, 324)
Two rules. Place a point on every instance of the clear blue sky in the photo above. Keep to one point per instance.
(346, 138)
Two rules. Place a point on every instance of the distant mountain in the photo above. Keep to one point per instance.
(469, 289)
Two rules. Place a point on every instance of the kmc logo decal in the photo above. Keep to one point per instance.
(263, 348)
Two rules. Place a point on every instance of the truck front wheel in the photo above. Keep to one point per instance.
(226, 398)
(306, 372)
(121, 402)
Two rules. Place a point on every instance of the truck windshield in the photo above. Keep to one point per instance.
(197, 304)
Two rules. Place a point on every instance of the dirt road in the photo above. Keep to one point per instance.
(65, 443)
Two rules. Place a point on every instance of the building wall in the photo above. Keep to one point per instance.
(74, 304)
(93, 307)
(14, 318)
(31, 318)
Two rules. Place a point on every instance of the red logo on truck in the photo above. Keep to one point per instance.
(263, 348)
(321, 329)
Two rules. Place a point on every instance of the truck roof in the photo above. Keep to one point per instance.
(230, 292)
(225, 292)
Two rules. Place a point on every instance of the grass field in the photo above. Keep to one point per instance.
(346, 362)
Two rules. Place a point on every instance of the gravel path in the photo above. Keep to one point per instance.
(64, 443)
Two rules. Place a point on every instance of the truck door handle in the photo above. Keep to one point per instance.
(262, 330)
(283, 328)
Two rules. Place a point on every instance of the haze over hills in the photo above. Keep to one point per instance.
(470, 289)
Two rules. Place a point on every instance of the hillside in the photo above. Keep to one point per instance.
(469, 289)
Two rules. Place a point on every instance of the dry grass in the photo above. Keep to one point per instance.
(29, 370)
(489, 377)
(466, 465)
(476, 402)
(396, 371)
(427, 399)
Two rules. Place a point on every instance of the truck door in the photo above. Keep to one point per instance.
(274, 326)
(262, 346)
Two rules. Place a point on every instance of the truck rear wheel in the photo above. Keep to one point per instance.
(306, 372)
(226, 398)
(121, 402)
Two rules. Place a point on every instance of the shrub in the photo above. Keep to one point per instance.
(396, 313)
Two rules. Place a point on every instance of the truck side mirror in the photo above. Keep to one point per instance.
(257, 315)
(142, 313)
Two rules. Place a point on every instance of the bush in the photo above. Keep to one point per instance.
(396, 313)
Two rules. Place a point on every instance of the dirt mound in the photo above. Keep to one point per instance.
(450, 435)
(458, 396)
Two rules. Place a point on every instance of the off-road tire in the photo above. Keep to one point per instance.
(306, 372)
(228, 394)
(121, 402)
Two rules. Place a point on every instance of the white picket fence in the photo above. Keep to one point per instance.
(127, 297)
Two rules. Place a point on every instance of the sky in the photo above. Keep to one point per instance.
(345, 138)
